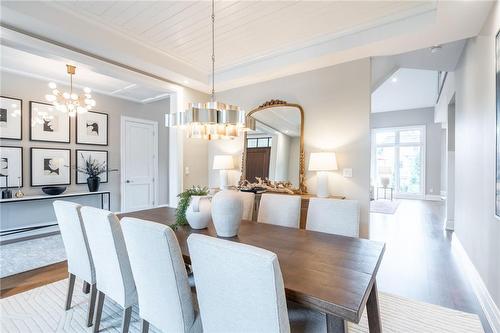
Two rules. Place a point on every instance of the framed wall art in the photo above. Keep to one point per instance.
(50, 166)
(11, 118)
(47, 124)
(11, 165)
(101, 156)
(92, 128)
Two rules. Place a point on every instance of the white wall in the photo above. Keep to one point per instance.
(336, 102)
(475, 223)
(414, 117)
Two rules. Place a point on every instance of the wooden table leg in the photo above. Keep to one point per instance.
(335, 324)
(372, 309)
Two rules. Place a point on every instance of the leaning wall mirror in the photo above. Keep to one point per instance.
(275, 149)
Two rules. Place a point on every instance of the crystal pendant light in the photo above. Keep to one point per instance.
(70, 102)
(212, 120)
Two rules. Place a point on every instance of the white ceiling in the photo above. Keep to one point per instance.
(406, 89)
(255, 40)
(49, 69)
(282, 119)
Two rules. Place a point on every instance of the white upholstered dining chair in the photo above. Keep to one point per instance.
(333, 216)
(79, 258)
(112, 266)
(280, 209)
(165, 298)
(239, 287)
(248, 199)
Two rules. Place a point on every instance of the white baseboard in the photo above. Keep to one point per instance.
(490, 309)
(433, 197)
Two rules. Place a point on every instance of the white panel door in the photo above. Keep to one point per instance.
(139, 164)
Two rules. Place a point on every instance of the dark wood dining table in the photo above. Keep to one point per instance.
(329, 273)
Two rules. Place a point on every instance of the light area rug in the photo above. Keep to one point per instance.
(41, 310)
(30, 254)
(384, 206)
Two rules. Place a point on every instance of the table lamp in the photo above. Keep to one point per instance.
(223, 163)
(322, 163)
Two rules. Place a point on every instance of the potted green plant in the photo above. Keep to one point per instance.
(184, 201)
(93, 169)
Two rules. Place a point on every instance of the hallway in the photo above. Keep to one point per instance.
(421, 262)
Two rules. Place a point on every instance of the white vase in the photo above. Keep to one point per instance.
(227, 211)
(198, 211)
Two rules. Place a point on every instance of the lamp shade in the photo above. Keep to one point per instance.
(223, 162)
(322, 162)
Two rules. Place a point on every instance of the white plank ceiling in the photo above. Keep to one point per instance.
(245, 30)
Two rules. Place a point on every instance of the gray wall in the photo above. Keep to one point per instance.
(433, 139)
(475, 223)
(30, 89)
(336, 102)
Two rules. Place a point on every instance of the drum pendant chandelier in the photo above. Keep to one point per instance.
(211, 120)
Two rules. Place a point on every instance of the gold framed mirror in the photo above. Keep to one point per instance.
(273, 154)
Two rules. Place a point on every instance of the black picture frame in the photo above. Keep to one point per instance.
(31, 125)
(21, 119)
(78, 139)
(22, 164)
(31, 166)
(497, 127)
(77, 151)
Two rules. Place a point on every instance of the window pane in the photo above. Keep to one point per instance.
(252, 143)
(270, 143)
(411, 136)
(385, 137)
(410, 170)
(385, 166)
(262, 142)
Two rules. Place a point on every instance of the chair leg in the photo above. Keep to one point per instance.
(93, 294)
(145, 326)
(127, 315)
(71, 286)
(98, 311)
(86, 287)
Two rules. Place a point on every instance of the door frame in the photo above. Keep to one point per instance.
(123, 120)
(396, 145)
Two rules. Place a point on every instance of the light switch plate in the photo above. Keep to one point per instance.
(347, 173)
(186, 171)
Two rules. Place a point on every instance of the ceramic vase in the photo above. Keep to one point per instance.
(227, 211)
(93, 183)
(198, 211)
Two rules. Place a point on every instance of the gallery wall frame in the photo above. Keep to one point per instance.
(11, 131)
(50, 162)
(102, 155)
(92, 128)
(12, 183)
(56, 129)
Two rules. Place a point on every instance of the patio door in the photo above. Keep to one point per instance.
(398, 157)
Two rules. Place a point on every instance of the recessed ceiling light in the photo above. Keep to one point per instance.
(435, 48)
(286, 131)
(186, 82)
(394, 79)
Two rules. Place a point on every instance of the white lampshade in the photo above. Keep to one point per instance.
(223, 162)
(322, 162)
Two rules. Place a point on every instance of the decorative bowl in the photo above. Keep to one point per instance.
(53, 190)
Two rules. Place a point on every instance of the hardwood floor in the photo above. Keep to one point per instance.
(18, 283)
(419, 261)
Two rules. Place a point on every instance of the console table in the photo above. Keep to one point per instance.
(105, 204)
(303, 207)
